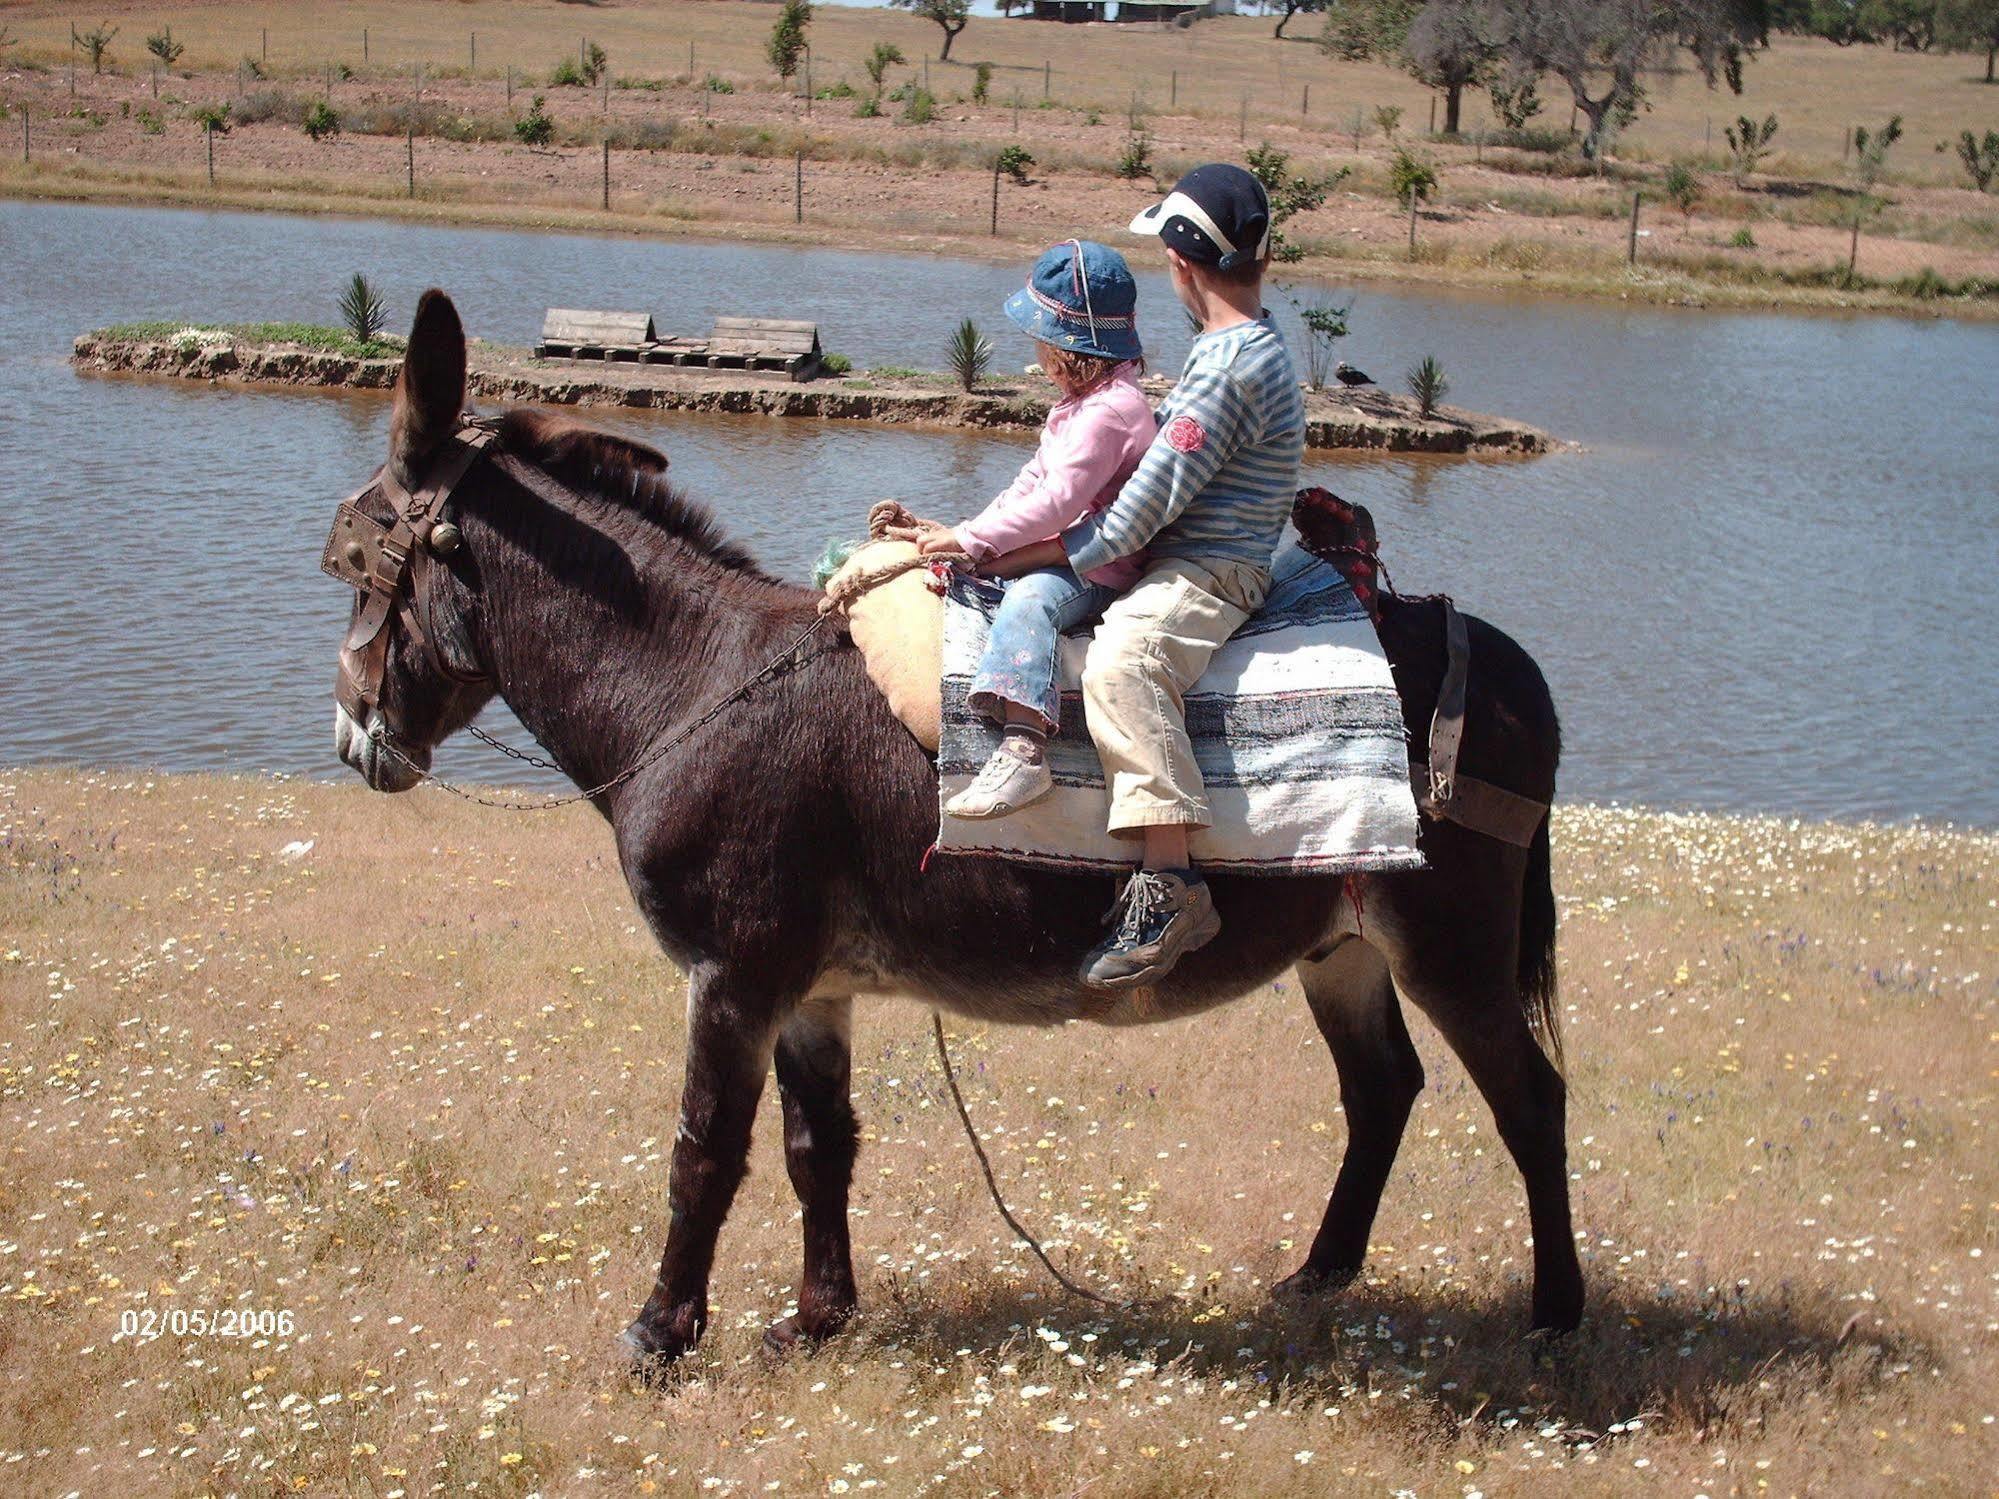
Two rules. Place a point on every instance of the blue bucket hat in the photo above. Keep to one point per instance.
(1080, 297)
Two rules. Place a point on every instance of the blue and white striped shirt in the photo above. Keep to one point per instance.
(1219, 479)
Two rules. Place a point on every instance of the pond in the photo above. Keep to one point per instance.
(1763, 584)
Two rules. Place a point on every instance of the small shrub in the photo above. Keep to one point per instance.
(321, 120)
(1541, 142)
(921, 107)
(249, 67)
(595, 60)
(163, 46)
(1742, 239)
(1014, 161)
(1980, 158)
(1926, 285)
(717, 85)
(787, 38)
(1514, 102)
(970, 352)
(150, 122)
(362, 310)
(982, 82)
(536, 127)
(1093, 118)
(882, 57)
(1748, 143)
(1428, 385)
(268, 104)
(1325, 325)
(835, 364)
(1870, 149)
(566, 74)
(1388, 119)
(840, 90)
(1136, 159)
(213, 118)
(1683, 190)
(867, 109)
(1409, 174)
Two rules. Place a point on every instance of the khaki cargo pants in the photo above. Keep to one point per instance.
(1152, 646)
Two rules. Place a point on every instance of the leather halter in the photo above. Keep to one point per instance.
(387, 565)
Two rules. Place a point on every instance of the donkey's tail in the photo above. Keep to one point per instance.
(1537, 947)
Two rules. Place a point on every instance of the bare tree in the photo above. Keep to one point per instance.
(950, 15)
(1601, 48)
(1450, 47)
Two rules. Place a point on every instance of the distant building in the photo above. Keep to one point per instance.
(1069, 10)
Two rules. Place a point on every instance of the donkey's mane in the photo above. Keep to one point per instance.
(622, 472)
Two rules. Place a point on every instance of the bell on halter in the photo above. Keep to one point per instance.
(444, 538)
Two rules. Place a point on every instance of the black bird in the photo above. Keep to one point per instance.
(1346, 374)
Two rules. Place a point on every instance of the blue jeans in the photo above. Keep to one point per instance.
(1023, 647)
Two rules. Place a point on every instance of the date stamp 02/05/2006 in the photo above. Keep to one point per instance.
(146, 1323)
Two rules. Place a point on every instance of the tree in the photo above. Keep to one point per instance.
(163, 46)
(1971, 26)
(1838, 21)
(1450, 47)
(1357, 30)
(97, 42)
(787, 37)
(1600, 48)
(1910, 24)
(876, 64)
(950, 15)
(1294, 8)
(1683, 189)
(1748, 143)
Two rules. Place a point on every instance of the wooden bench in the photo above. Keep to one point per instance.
(572, 333)
(751, 343)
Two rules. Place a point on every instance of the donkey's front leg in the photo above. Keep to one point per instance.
(729, 1038)
(814, 1065)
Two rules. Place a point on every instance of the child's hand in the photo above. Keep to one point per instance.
(943, 539)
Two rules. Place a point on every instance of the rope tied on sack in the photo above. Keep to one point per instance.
(888, 520)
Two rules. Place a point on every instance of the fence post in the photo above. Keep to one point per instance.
(472, 62)
(267, 44)
(1242, 120)
(798, 190)
(1853, 250)
(209, 131)
(605, 107)
(409, 145)
(1433, 114)
(1016, 111)
(926, 75)
(808, 83)
(1356, 127)
(607, 176)
(27, 146)
(510, 85)
(690, 62)
(1631, 247)
(1412, 221)
(996, 180)
(1305, 101)
(156, 80)
(1173, 98)
(1047, 77)
(364, 44)
(1846, 143)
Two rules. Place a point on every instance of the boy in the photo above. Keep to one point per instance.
(1207, 504)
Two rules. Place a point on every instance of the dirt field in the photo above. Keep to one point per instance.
(689, 157)
(406, 1071)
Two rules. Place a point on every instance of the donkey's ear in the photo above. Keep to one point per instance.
(430, 392)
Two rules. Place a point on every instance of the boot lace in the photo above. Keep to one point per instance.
(1145, 898)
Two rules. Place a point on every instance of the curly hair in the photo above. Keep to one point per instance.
(1079, 374)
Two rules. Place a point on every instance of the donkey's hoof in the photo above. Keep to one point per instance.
(1307, 1284)
(795, 1333)
(650, 1350)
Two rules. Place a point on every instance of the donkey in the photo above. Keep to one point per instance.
(778, 854)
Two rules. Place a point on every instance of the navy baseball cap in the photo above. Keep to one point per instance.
(1216, 215)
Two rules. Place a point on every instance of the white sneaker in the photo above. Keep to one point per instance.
(1005, 784)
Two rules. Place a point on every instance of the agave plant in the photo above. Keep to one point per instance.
(362, 310)
(971, 351)
(1428, 385)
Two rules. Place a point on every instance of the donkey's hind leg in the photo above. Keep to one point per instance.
(1476, 1005)
(814, 1067)
(1353, 1000)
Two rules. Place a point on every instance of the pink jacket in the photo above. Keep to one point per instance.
(1089, 447)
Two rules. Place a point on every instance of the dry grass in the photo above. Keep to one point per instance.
(415, 1085)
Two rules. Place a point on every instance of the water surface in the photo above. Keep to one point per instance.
(1765, 585)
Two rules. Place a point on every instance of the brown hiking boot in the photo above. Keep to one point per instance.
(1160, 918)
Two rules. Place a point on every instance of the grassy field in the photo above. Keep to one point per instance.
(705, 139)
(406, 1071)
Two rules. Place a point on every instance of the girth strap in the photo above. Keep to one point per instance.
(1441, 791)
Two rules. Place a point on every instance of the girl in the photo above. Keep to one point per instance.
(1080, 308)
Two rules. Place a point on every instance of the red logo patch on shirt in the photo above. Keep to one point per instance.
(1185, 434)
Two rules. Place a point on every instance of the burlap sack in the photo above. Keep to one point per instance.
(899, 626)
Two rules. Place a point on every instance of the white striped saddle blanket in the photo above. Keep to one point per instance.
(1296, 726)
